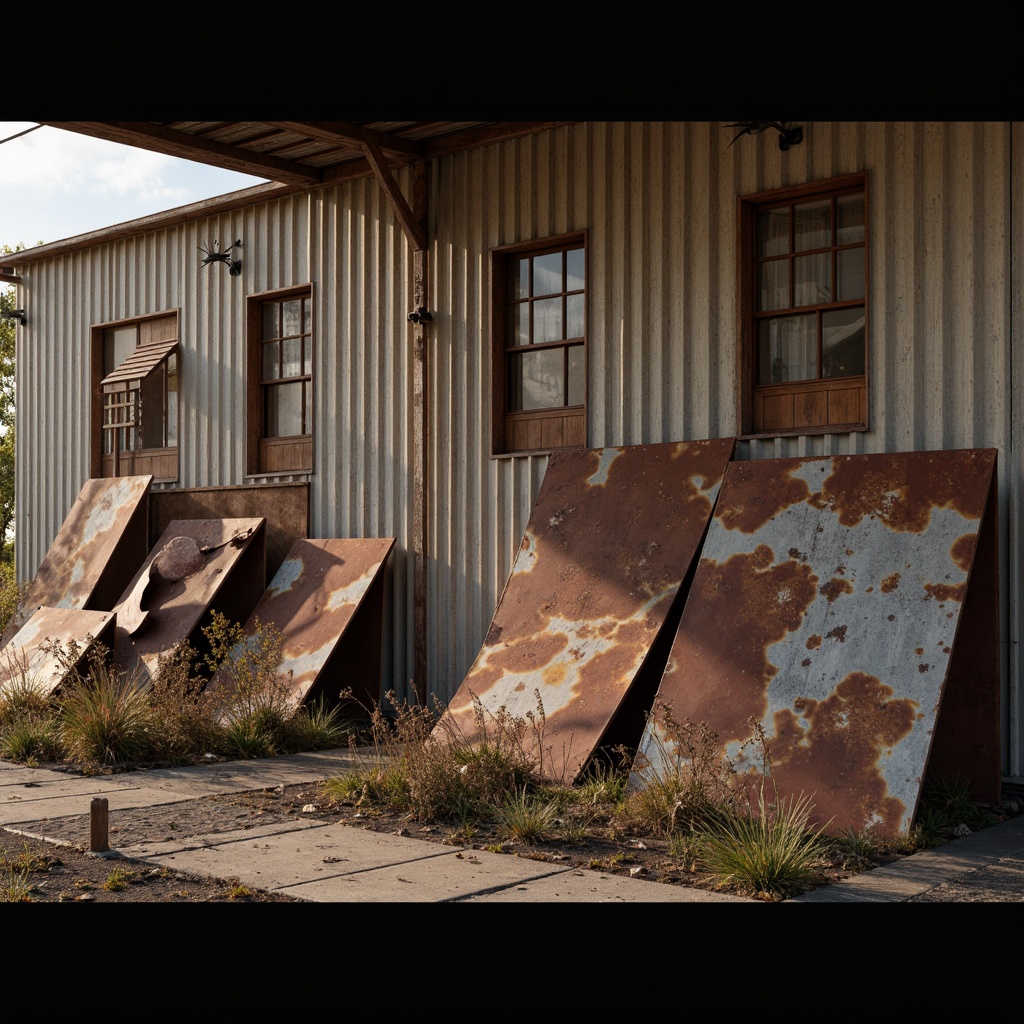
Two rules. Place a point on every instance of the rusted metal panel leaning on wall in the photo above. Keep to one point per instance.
(101, 543)
(51, 644)
(612, 535)
(825, 607)
(197, 565)
(326, 601)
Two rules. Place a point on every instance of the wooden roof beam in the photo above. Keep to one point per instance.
(156, 138)
(414, 229)
(345, 133)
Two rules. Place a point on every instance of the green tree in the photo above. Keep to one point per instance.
(8, 328)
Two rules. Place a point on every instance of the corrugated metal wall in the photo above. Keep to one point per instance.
(659, 203)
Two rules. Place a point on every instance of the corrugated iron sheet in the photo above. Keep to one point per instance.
(101, 543)
(610, 540)
(52, 644)
(198, 565)
(325, 600)
(825, 608)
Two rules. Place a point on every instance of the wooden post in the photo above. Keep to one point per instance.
(98, 825)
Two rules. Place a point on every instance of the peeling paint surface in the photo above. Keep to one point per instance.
(102, 523)
(825, 607)
(31, 655)
(312, 601)
(612, 536)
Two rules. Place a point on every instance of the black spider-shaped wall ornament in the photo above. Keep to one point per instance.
(216, 255)
(789, 135)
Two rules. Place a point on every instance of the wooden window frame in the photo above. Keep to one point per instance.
(811, 406)
(538, 431)
(276, 456)
(161, 463)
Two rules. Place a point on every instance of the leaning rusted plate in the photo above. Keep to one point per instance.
(325, 601)
(197, 565)
(824, 611)
(611, 538)
(101, 543)
(51, 645)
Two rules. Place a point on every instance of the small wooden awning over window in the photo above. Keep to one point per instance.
(138, 366)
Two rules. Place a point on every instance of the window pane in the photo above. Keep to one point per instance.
(787, 349)
(575, 270)
(773, 285)
(577, 379)
(151, 412)
(812, 225)
(283, 412)
(812, 281)
(307, 356)
(574, 315)
(547, 274)
(773, 232)
(172, 401)
(271, 369)
(307, 317)
(291, 357)
(307, 418)
(520, 324)
(850, 270)
(537, 380)
(850, 218)
(518, 278)
(118, 345)
(271, 324)
(547, 320)
(292, 319)
(842, 343)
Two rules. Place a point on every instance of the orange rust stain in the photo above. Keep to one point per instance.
(758, 603)
(832, 749)
(749, 504)
(890, 583)
(813, 642)
(839, 633)
(554, 675)
(835, 587)
(841, 570)
(901, 490)
(922, 668)
(962, 551)
(946, 592)
(797, 554)
(530, 654)
(805, 662)
(919, 651)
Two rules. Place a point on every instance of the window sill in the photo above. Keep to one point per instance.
(287, 472)
(768, 435)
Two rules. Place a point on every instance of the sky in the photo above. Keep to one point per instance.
(55, 183)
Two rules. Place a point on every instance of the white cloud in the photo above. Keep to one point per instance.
(56, 183)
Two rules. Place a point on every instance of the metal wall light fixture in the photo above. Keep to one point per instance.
(13, 314)
(216, 255)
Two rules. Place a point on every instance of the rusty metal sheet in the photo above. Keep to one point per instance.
(825, 607)
(326, 600)
(101, 543)
(31, 653)
(197, 565)
(610, 540)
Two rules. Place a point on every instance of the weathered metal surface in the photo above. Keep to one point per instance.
(326, 601)
(52, 644)
(285, 507)
(173, 593)
(611, 538)
(100, 544)
(825, 607)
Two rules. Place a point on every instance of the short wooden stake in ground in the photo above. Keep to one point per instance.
(99, 820)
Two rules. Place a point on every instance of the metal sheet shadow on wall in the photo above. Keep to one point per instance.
(608, 545)
(326, 601)
(100, 545)
(849, 606)
(198, 566)
(53, 644)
